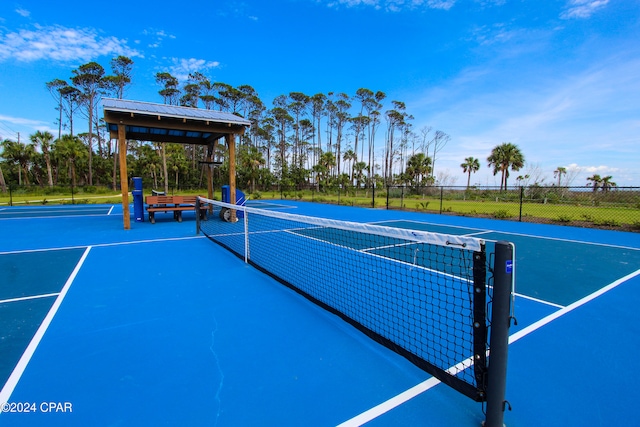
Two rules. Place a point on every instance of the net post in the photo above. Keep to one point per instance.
(499, 339)
(197, 215)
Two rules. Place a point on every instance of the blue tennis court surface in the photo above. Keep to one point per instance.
(158, 326)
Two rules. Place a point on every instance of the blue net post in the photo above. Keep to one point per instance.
(138, 202)
(499, 338)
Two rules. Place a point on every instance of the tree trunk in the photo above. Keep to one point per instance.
(90, 140)
(47, 160)
(3, 184)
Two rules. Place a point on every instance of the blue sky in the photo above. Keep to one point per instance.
(559, 78)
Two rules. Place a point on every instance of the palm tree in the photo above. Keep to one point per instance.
(503, 157)
(596, 181)
(44, 140)
(250, 161)
(558, 173)
(324, 166)
(350, 156)
(418, 166)
(358, 174)
(607, 184)
(470, 165)
(71, 149)
(21, 154)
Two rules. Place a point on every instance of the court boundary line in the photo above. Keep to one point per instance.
(428, 384)
(102, 245)
(16, 375)
(540, 301)
(29, 297)
(52, 217)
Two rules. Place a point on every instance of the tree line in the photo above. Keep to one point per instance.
(324, 140)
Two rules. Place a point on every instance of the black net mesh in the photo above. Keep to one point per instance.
(421, 294)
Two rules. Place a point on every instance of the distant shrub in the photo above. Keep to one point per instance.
(564, 218)
(501, 214)
(607, 222)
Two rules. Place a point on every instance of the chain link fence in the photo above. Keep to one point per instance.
(616, 208)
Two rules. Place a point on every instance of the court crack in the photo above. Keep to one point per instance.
(217, 360)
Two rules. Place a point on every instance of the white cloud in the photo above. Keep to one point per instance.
(585, 116)
(62, 44)
(599, 169)
(23, 12)
(158, 37)
(21, 121)
(393, 5)
(497, 33)
(182, 67)
(582, 8)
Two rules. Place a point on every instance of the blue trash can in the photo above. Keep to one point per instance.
(240, 198)
(138, 202)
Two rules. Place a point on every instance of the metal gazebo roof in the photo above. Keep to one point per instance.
(146, 121)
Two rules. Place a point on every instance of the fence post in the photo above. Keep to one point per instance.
(10, 195)
(503, 270)
(73, 201)
(441, 191)
(521, 199)
(388, 187)
(373, 195)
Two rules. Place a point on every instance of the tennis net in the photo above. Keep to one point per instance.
(423, 295)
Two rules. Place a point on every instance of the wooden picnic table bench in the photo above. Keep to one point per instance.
(175, 204)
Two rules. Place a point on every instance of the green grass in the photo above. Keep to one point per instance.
(599, 215)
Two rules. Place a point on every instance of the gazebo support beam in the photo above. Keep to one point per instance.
(231, 144)
(124, 182)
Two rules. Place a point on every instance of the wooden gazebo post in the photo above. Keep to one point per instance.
(231, 144)
(124, 181)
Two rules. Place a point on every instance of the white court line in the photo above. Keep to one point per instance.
(409, 394)
(30, 218)
(11, 383)
(479, 233)
(553, 304)
(29, 298)
(110, 210)
(540, 323)
(103, 245)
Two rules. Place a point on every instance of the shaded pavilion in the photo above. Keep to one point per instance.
(146, 121)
